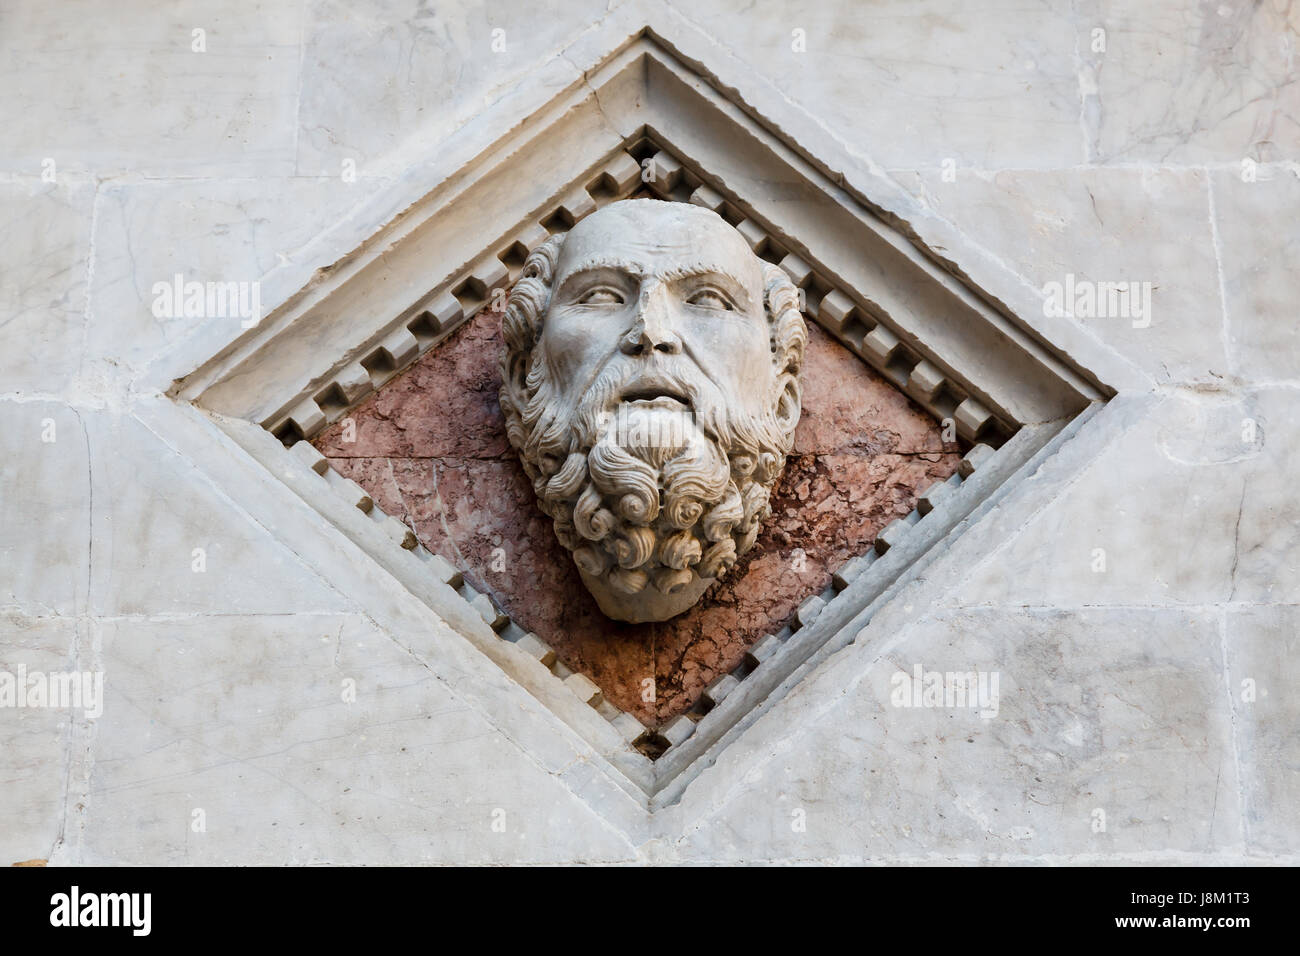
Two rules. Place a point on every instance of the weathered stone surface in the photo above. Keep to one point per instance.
(246, 76)
(43, 312)
(1049, 225)
(33, 760)
(314, 738)
(1259, 234)
(45, 506)
(918, 70)
(1217, 82)
(1263, 646)
(1185, 473)
(158, 547)
(265, 237)
(431, 446)
(1146, 740)
(351, 109)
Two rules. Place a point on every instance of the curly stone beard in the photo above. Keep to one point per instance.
(649, 498)
(648, 495)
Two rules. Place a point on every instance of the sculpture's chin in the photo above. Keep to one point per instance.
(648, 604)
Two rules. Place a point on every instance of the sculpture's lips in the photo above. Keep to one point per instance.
(656, 392)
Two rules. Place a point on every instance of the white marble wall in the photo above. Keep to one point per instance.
(1121, 690)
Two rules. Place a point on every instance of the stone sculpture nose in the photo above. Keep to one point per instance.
(653, 329)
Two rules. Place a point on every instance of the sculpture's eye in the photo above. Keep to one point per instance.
(710, 299)
(601, 297)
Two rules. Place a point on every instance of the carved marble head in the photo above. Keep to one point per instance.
(650, 384)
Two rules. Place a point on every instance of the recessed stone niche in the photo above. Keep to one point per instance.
(393, 312)
(430, 448)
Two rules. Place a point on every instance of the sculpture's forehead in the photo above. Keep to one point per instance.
(659, 238)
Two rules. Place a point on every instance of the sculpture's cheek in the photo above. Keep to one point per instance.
(576, 340)
(735, 353)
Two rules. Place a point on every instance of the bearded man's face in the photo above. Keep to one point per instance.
(651, 387)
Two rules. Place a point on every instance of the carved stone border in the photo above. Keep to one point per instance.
(895, 303)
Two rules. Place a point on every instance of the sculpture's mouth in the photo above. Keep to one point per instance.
(656, 391)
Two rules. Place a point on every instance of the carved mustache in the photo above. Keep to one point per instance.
(622, 381)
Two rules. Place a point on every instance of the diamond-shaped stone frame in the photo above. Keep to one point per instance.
(643, 117)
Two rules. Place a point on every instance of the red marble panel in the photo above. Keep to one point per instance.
(431, 449)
